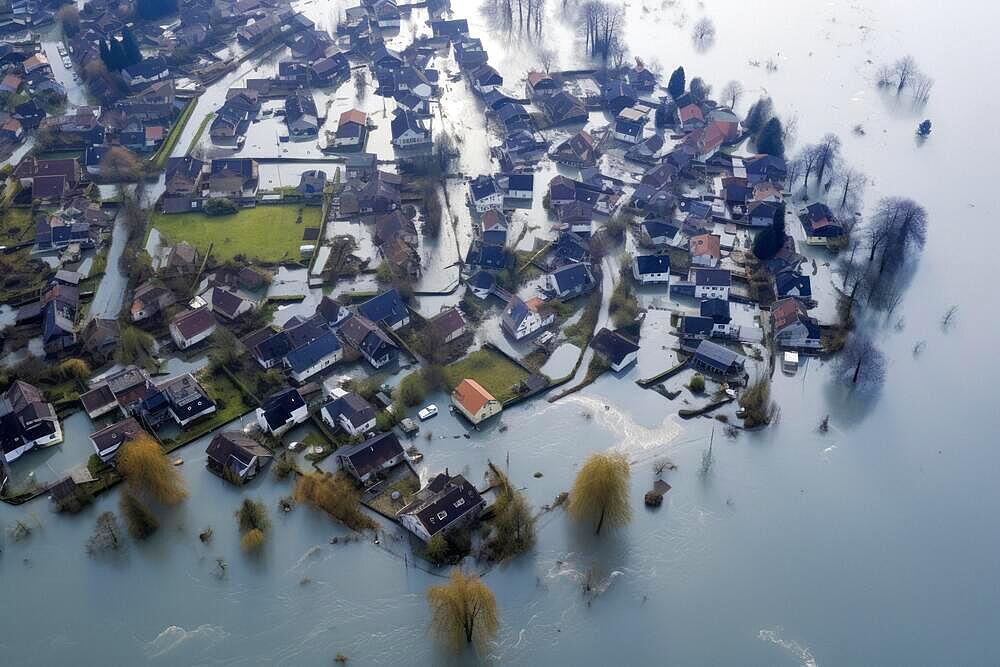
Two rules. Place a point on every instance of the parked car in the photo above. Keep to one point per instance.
(428, 412)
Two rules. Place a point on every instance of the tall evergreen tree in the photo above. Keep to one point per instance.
(117, 55)
(677, 83)
(770, 139)
(131, 48)
(105, 53)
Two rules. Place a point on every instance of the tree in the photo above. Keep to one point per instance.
(677, 83)
(771, 239)
(827, 155)
(860, 364)
(600, 491)
(904, 70)
(770, 139)
(806, 158)
(699, 89)
(253, 522)
(731, 94)
(120, 164)
(334, 494)
(704, 30)
(905, 230)
(69, 17)
(74, 369)
(130, 48)
(924, 128)
(850, 188)
(513, 523)
(759, 113)
(922, 85)
(360, 83)
(463, 609)
(146, 468)
(107, 535)
(140, 521)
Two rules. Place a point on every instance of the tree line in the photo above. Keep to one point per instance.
(119, 53)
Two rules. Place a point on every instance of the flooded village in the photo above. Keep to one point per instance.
(506, 302)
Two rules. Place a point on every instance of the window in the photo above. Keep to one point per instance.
(442, 516)
(459, 502)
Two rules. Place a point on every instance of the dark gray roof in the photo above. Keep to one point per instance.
(648, 264)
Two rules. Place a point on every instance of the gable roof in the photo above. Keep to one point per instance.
(308, 355)
(387, 308)
(369, 456)
(471, 395)
(613, 345)
(649, 264)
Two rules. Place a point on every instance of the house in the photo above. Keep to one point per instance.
(484, 193)
(763, 213)
(765, 169)
(821, 227)
(301, 116)
(408, 131)
(101, 337)
(474, 402)
(386, 13)
(146, 72)
(416, 82)
(619, 352)
(629, 125)
(647, 151)
(446, 503)
(791, 284)
(540, 84)
(659, 176)
(514, 117)
(363, 335)
(448, 325)
(640, 78)
(792, 326)
(486, 256)
(493, 228)
(361, 166)
(386, 309)
(191, 327)
(711, 283)
(717, 360)
(281, 411)
(485, 79)
(521, 186)
(451, 29)
(469, 53)
(521, 319)
(705, 250)
(576, 217)
(651, 269)
(580, 150)
(27, 421)
(331, 312)
(366, 460)
(312, 183)
(236, 457)
(616, 95)
(122, 390)
(184, 180)
(229, 305)
(658, 232)
(563, 108)
(394, 225)
(568, 249)
(234, 178)
(315, 356)
(349, 412)
(409, 102)
(149, 300)
(570, 281)
(109, 439)
(11, 130)
(185, 400)
(481, 284)
(352, 129)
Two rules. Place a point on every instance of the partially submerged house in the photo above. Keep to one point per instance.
(108, 440)
(27, 421)
(792, 326)
(473, 401)
(362, 335)
(618, 351)
(447, 503)
(281, 411)
(366, 460)
(386, 309)
(189, 328)
(651, 269)
(717, 360)
(236, 457)
(820, 225)
(570, 281)
(521, 319)
(350, 413)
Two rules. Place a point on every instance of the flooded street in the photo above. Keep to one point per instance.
(872, 543)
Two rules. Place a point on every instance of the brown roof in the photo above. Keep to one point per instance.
(706, 244)
(471, 396)
(785, 312)
(194, 322)
(447, 322)
(353, 116)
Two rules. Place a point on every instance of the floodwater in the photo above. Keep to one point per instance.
(874, 543)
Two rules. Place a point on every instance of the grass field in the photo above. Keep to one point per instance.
(267, 234)
(160, 158)
(493, 371)
(19, 275)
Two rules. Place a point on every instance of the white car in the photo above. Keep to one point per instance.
(428, 412)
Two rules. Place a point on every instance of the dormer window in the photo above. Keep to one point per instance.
(459, 502)
(442, 516)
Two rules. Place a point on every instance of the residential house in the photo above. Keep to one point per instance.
(367, 339)
(183, 399)
(821, 227)
(642, 79)
(473, 401)
(647, 151)
(108, 440)
(658, 232)
(629, 125)
(763, 213)
(236, 179)
(485, 79)
(445, 504)
(576, 217)
(484, 193)
(540, 84)
(792, 326)
(386, 309)
(792, 284)
(191, 327)
(705, 250)
(485, 256)
(149, 300)
(448, 325)
(27, 421)
(281, 411)
(352, 129)
(717, 360)
(451, 29)
(580, 150)
(361, 166)
(493, 228)
(101, 337)
(349, 412)
(394, 225)
(521, 319)
(314, 357)
(481, 284)
(312, 184)
(710, 283)
(366, 460)
(617, 95)
(122, 390)
(570, 281)
(651, 269)
(236, 457)
(184, 181)
(226, 303)
(142, 74)
(409, 131)
(618, 351)
(301, 116)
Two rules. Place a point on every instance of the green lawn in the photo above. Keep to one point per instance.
(493, 371)
(267, 234)
(20, 274)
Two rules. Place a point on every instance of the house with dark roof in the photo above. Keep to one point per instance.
(234, 178)
(570, 281)
(576, 217)
(185, 178)
(314, 357)
(563, 108)
(711, 283)
(568, 249)
(658, 232)
(185, 399)
(352, 129)
(226, 303)
(408, 130)
(493, 227)
(640, 78)
(792, 326)
(485, 256)
(122, 390)
(481, 284)
(236, 457)
(281, 411)
(191, 327)
(474, 401)
(349, 412)
(618, 351)
(455, 28)
(820, 225)
(149, 300)
(484, 193)
(386, 309)
(366, 461)
(717, 360)
(108, 440)
(580, 150)
(763, 213)
(312, 183)
(446, 503)
(485, 79)
(629, 125)
(521, 319)
(101, 337)
(27, 421)
(448, 325)
(361, 166)
(651, 269)
(787, 283)
(521, 186)
(145, 72)
(362, 335)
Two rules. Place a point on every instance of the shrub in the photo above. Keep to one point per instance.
(335, 495)
(252, 515)
(145, 467)
(413, 389)
(697, 384)
(140, 521)
(757, 404)
(252, 540)
(218, 206)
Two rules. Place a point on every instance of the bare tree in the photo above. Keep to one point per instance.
(860, 364)
(546, 59)
(850, 186)
(704, 30)
(699, 89)
(731, 94)
(899, 228)
(922, 85)
(793, 170)
(827, 156)
(904, 70)
(807, 158)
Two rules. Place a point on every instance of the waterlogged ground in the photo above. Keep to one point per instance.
(873, 543)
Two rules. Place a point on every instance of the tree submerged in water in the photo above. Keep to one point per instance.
(463, 610)
(600, 492)
(860, 364)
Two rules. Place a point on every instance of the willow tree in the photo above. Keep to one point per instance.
(600, 492)
(463, 609)
(146, 468)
